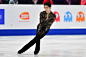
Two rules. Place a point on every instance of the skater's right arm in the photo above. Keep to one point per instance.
(41, 19)
(40, 24)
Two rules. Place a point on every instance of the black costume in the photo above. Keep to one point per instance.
(42, 29)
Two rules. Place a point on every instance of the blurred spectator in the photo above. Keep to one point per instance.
(0, 2)
(67, 2)
(75, 2)
(23, 1)
(13, 2)
(83, 2)
(40, 1)
(5, 1)
(33, 2)
(72, 2)
(48, 1)
(61, 2)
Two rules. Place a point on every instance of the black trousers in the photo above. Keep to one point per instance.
(36, 40)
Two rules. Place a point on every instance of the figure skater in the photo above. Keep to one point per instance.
(47, 17)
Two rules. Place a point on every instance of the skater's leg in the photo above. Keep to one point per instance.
(28, 45)
(32, 42)
(37, 48)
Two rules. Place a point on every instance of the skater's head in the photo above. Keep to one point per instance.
(47, 6)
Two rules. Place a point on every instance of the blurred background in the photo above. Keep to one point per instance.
(56, 2)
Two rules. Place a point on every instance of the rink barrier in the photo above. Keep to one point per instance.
(29, 32)
(23, 19)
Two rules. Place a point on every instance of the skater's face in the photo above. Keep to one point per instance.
(47, 8)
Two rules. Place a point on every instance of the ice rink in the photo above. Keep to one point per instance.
(50, 46)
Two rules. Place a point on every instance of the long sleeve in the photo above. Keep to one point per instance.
(40, 20)
(50, 22)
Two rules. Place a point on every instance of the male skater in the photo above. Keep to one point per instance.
(47, 17)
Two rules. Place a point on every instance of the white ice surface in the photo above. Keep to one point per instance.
(50, 46)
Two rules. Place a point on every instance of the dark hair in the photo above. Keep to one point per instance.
(48, 4)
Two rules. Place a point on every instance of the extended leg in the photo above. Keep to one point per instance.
(28, 45)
